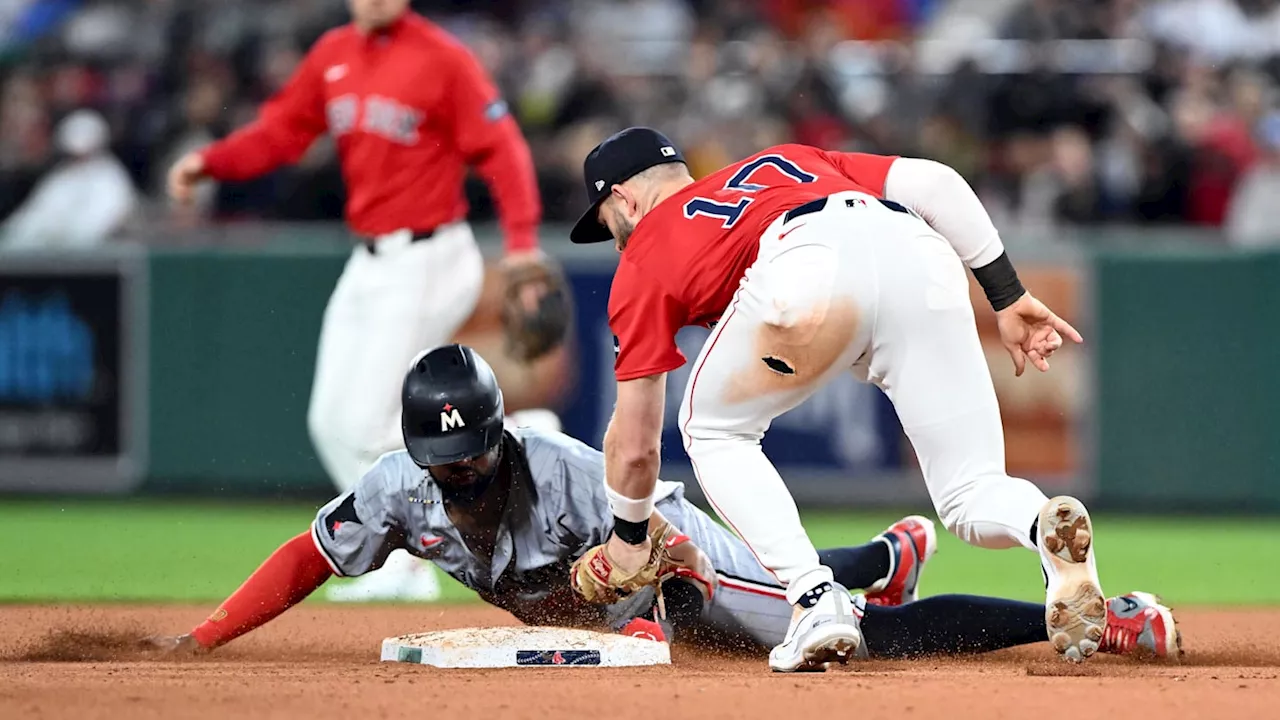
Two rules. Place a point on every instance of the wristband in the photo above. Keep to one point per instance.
(1000, 282)
(631, 533)
(629, 509)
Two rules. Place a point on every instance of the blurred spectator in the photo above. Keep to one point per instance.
(83, 200)
(1221, 135)
(1219, 30)
(24, 139)
(201, 106)
(1064, 187)
(1253, 220)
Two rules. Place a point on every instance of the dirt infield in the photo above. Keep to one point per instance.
(314, 662)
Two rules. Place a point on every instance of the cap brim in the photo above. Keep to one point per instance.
(588, 228)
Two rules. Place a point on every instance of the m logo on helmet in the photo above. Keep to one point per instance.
(450, 419)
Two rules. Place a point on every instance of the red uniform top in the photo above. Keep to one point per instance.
(410, 108)
(685, 259)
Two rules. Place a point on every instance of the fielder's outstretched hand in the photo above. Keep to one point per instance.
(1030, 331)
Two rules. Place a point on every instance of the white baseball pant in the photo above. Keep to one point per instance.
(870, 286)
(386, 308)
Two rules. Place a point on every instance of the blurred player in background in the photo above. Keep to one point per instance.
(410, 108)
(506, 509)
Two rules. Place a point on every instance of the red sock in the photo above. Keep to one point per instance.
(293, 572)
(644, 628)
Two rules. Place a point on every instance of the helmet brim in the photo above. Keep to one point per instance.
(451, 448)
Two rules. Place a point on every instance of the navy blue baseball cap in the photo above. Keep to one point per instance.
(619, 158)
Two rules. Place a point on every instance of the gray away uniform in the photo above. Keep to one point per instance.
(556, 510)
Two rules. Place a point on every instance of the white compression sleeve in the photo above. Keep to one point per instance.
(942, 197)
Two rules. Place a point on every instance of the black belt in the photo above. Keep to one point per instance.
(814, 206)
(371, 244)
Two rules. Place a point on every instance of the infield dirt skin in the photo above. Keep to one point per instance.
(322, 662)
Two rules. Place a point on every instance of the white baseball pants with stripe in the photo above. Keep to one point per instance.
(867, 286)
(386, 308)
(749, 600)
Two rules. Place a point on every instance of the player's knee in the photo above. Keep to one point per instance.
(952, 519)
(960, 522)
(954, 505)
(702, 442)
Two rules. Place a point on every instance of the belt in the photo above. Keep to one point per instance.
(814, 206)
(371, 244)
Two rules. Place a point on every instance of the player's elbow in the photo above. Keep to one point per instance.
(640, 461)
(931, 176)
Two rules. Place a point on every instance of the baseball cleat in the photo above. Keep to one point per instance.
(827, 631)
(1138, 625)
(911, 542)
(1075, 610)
(403, 578)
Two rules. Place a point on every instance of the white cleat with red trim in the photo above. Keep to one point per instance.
(911, 542)
(826, 631)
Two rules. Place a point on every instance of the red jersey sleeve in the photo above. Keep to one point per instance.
(491, 141)
(866, 169)
(293, 572)
(286, 126)
(644, 318)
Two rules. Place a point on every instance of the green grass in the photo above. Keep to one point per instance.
(1189, 561)
(199, 552)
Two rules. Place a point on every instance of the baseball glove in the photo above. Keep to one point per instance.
(537, 308)
(673, 555)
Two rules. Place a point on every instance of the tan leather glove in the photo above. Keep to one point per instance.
(595, 577)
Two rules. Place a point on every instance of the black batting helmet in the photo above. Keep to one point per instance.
(451, 406)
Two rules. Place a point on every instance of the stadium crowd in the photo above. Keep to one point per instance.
(1180, 125)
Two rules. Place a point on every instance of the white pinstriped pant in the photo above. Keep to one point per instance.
(385, 309)
(865, 286)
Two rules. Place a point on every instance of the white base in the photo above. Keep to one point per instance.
(501, 647)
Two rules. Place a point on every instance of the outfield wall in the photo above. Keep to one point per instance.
(200, 366)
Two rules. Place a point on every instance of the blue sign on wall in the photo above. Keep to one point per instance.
(69, 386)
(849, 427)
(60, 365)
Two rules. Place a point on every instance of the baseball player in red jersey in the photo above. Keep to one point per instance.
(809, 263)
(410, 108)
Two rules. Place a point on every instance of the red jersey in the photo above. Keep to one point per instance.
(410, 108)
(685, 259)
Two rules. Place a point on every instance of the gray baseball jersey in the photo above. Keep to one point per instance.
(556, 510)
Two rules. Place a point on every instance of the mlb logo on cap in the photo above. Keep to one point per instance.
(668, 151)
